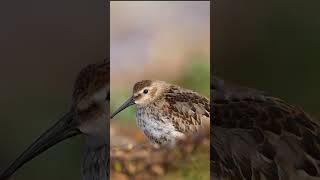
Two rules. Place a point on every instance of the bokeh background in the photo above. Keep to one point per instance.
(43, 45)
(270, 45)
(162, 40)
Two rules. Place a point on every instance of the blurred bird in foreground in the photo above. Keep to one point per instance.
(167, 112)
(257, 136)
(88, 115)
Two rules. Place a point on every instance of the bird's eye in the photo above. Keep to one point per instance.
(145, 91)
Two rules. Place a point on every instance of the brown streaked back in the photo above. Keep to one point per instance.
(253, 126)
(189, 109)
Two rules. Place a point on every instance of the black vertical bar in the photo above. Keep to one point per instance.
(108, 58)
(212, 72)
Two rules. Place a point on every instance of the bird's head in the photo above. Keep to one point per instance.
(91, 99)
(89, 115)
(144, 93)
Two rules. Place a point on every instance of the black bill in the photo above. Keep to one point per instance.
(63, 129)
(128, 103)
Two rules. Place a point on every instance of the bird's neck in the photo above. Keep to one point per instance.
(96, 128)
(99, 139)
(96, 160)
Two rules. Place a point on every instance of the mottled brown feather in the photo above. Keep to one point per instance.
(187, 108)
(255, 134)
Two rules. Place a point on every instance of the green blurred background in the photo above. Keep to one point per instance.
(270, 45)
(43, 45)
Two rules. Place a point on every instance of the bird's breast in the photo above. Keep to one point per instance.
(157, 127)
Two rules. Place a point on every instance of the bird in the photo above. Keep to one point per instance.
(167, 112)
(89, 116)
(257, 136)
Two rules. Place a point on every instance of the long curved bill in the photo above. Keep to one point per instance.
(63, 129)
(126, 104)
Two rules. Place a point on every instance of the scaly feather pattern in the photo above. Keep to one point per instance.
(256, 136)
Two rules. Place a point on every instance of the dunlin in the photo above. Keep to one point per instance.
(167, 112)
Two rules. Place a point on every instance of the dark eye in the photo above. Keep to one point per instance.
(145, 91)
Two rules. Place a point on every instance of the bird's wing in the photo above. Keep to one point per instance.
(188, 110)
(257, 136)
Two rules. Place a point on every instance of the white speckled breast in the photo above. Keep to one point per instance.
(156, 127)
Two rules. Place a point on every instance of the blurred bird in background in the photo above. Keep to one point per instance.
(88, 115)
(257, 136)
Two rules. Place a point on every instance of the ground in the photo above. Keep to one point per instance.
(132, 157)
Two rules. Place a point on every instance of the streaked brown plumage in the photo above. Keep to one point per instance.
(166, 112)
(88, 115)
(258, 136)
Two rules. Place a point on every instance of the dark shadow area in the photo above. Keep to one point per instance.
(44, 44)
(270, 45)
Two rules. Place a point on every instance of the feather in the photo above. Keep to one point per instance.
(258, 136)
